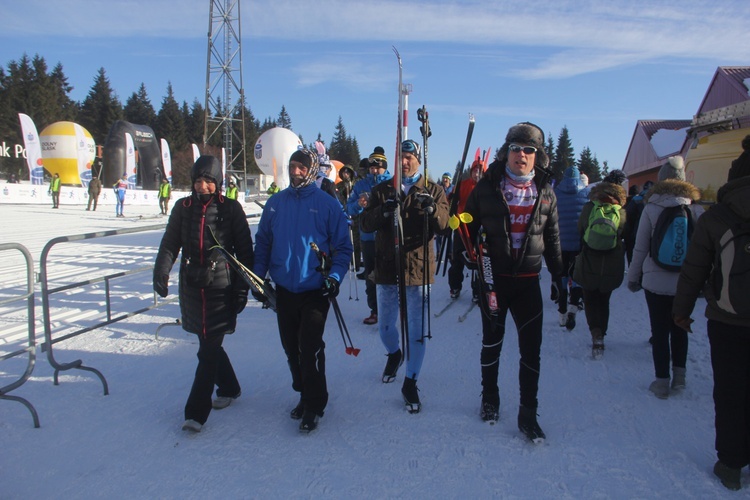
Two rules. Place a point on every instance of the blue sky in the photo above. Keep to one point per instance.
(594, 66)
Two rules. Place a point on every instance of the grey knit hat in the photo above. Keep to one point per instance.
(673, 169)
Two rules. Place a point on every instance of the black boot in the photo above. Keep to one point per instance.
(411, 395)
(297, 411)
(490, 409)
(729, 477)
(391, 366)
(528, 425)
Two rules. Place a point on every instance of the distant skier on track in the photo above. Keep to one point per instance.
(515, 206)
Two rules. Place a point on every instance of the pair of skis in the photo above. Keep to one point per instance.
(254, 281)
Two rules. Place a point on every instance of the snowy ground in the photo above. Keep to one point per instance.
(607, 436)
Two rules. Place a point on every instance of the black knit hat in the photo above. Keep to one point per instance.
(309, 160)
(378, 158)
(615, 177)
(741, 166)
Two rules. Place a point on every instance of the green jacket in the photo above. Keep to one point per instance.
(232, 193)
(54, 185)
(165, 190)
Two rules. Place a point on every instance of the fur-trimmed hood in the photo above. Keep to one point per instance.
(607, 192)
(673, 187)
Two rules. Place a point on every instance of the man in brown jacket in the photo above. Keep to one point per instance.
(422, 203)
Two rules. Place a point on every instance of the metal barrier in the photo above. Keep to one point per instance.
(30, 349)
(49, 341)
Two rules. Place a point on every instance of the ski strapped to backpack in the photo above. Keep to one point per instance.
(731, 273)
(671, 237)
(325, 266)
(601, 231)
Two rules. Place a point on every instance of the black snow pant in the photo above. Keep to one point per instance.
(302, 320)
(368, 256)
(597, 310)
(576, 292)
(730, 359)
(456, 271)
(214, 368)
(523, 297)
(670, 342)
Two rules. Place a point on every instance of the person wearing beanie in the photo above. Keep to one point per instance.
(211, 294)
(571, 197)
(322, 179)
(741, 166)
(165, 194)
(674, 168)
(291, 220)
(447, 182)
(669, 342)
(600, 272)
(356, 203)
(515, 206)
(232, 191)
(343, 191)
(456, 270)
(424, 213)
(728, 328)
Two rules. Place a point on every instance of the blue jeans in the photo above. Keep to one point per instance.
(388, 311)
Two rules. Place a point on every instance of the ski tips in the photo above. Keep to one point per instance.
(471, 117)
(352, 351)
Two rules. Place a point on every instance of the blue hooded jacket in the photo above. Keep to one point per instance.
(571, 197)
(291, 220)
(364, 186)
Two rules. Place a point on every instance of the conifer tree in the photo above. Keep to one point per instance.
(589, 165)
(564, 156)
(138, 109)
(284, 120)
(100, 109)
(169, 122)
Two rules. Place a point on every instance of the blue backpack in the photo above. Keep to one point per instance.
(671, 237)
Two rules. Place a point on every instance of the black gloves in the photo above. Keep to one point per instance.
(554, 291)
(259, 297)
(389, 206)
(160, 285)
(426, 203)
(330, 288)
(241, 300)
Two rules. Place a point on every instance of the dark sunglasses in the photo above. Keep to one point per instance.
(526, 149)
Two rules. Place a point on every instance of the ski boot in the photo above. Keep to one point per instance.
(411, 395)
(528, 425)
(391, 366)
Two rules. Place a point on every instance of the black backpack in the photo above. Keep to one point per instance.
(671, 237)
(731, 273)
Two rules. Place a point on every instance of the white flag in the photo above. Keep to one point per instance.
(130, 169)
(166, 159)
(33, 149)
(196, 152)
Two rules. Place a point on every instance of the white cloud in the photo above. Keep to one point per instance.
(576, 36)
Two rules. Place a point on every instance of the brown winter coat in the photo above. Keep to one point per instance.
(698, 266)
(372, 219)
(596, 269)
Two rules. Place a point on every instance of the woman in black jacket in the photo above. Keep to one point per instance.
(211, 294)
(515, 207)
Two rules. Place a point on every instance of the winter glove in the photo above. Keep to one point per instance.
(634, 286)
(260, 297)
(161, 285)
(554, 291)
(389, 206)
(470, 264)
(330, 288)
(426, 203)
(683, 323)
(241, 300)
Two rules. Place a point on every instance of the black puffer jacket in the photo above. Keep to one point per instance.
(489, 209)
(194, 227)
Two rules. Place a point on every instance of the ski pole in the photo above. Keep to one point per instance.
(323, 269)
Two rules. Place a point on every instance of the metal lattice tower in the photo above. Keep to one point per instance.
(225, 97)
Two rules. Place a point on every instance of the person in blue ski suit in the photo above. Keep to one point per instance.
(355, 205)
(292, 219)
(419, 199)
(120, 187)
(571, 197)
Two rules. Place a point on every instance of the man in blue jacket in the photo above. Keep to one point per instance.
(292, 219)
(355, 205)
